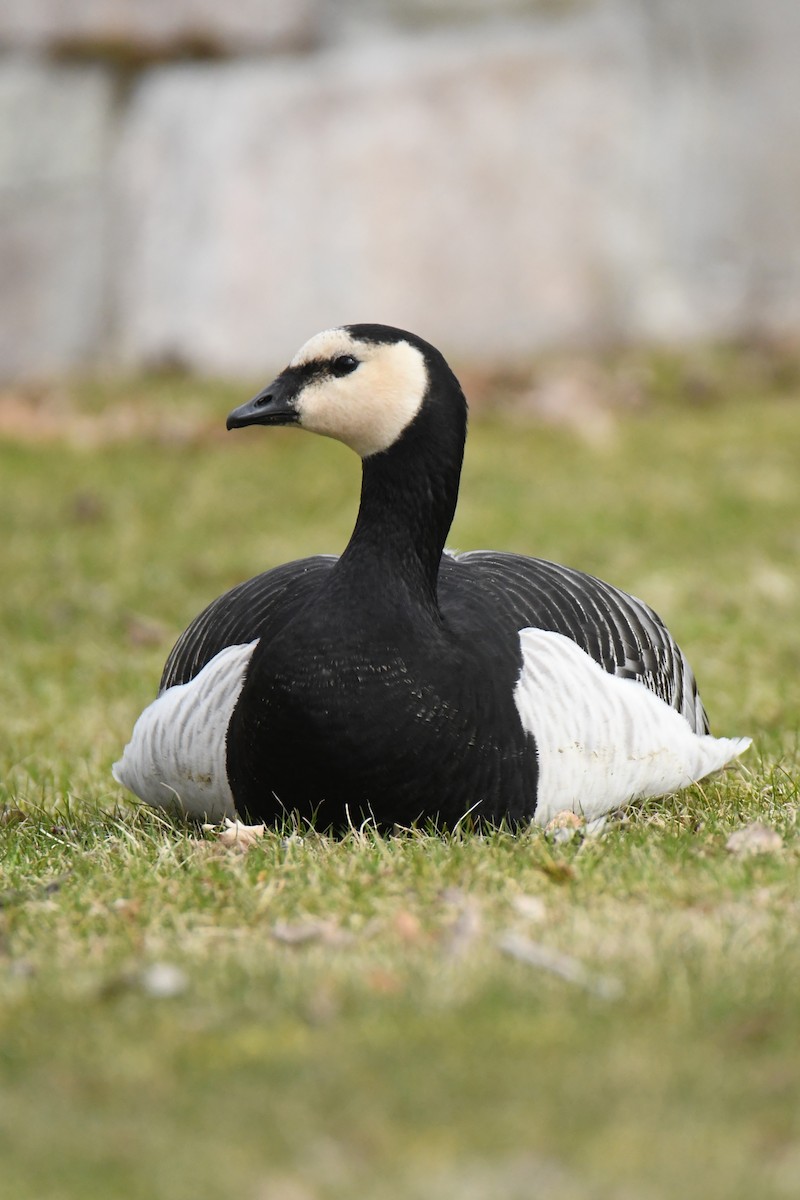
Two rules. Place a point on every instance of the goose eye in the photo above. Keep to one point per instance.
(344, 364)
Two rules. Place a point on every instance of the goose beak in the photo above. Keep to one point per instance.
(274, 405)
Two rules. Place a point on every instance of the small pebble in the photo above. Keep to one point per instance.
(532, 908)
(163, 981)
(754, 839)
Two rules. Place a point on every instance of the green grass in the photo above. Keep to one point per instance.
(345, 1019)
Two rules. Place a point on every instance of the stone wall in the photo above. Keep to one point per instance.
(208, 184)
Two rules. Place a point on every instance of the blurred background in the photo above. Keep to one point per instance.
(202, 185)
(593, 208)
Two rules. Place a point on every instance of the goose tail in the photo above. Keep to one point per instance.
(713, 754)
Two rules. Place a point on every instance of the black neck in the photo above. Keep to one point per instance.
(408, 498)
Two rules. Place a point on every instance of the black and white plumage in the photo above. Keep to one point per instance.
(402, 683)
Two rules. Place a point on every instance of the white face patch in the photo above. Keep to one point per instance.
(369, 408)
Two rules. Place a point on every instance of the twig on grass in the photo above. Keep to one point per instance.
(534, 954)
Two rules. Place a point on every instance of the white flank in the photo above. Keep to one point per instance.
(176, 756)
(603, 741)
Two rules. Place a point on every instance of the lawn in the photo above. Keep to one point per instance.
(414, 1017)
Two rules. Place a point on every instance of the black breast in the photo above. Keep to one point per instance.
(369, 711)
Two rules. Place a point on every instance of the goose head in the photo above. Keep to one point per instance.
(363, 385)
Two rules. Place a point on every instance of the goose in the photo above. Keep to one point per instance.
(400, 683)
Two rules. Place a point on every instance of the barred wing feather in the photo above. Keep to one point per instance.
(244, 614)
(620, 632)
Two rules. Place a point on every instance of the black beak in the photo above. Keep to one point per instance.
(272, 406)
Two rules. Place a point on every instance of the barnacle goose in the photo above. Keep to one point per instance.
(401, 683)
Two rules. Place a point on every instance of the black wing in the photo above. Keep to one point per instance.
(619, 631)
(242, 615)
